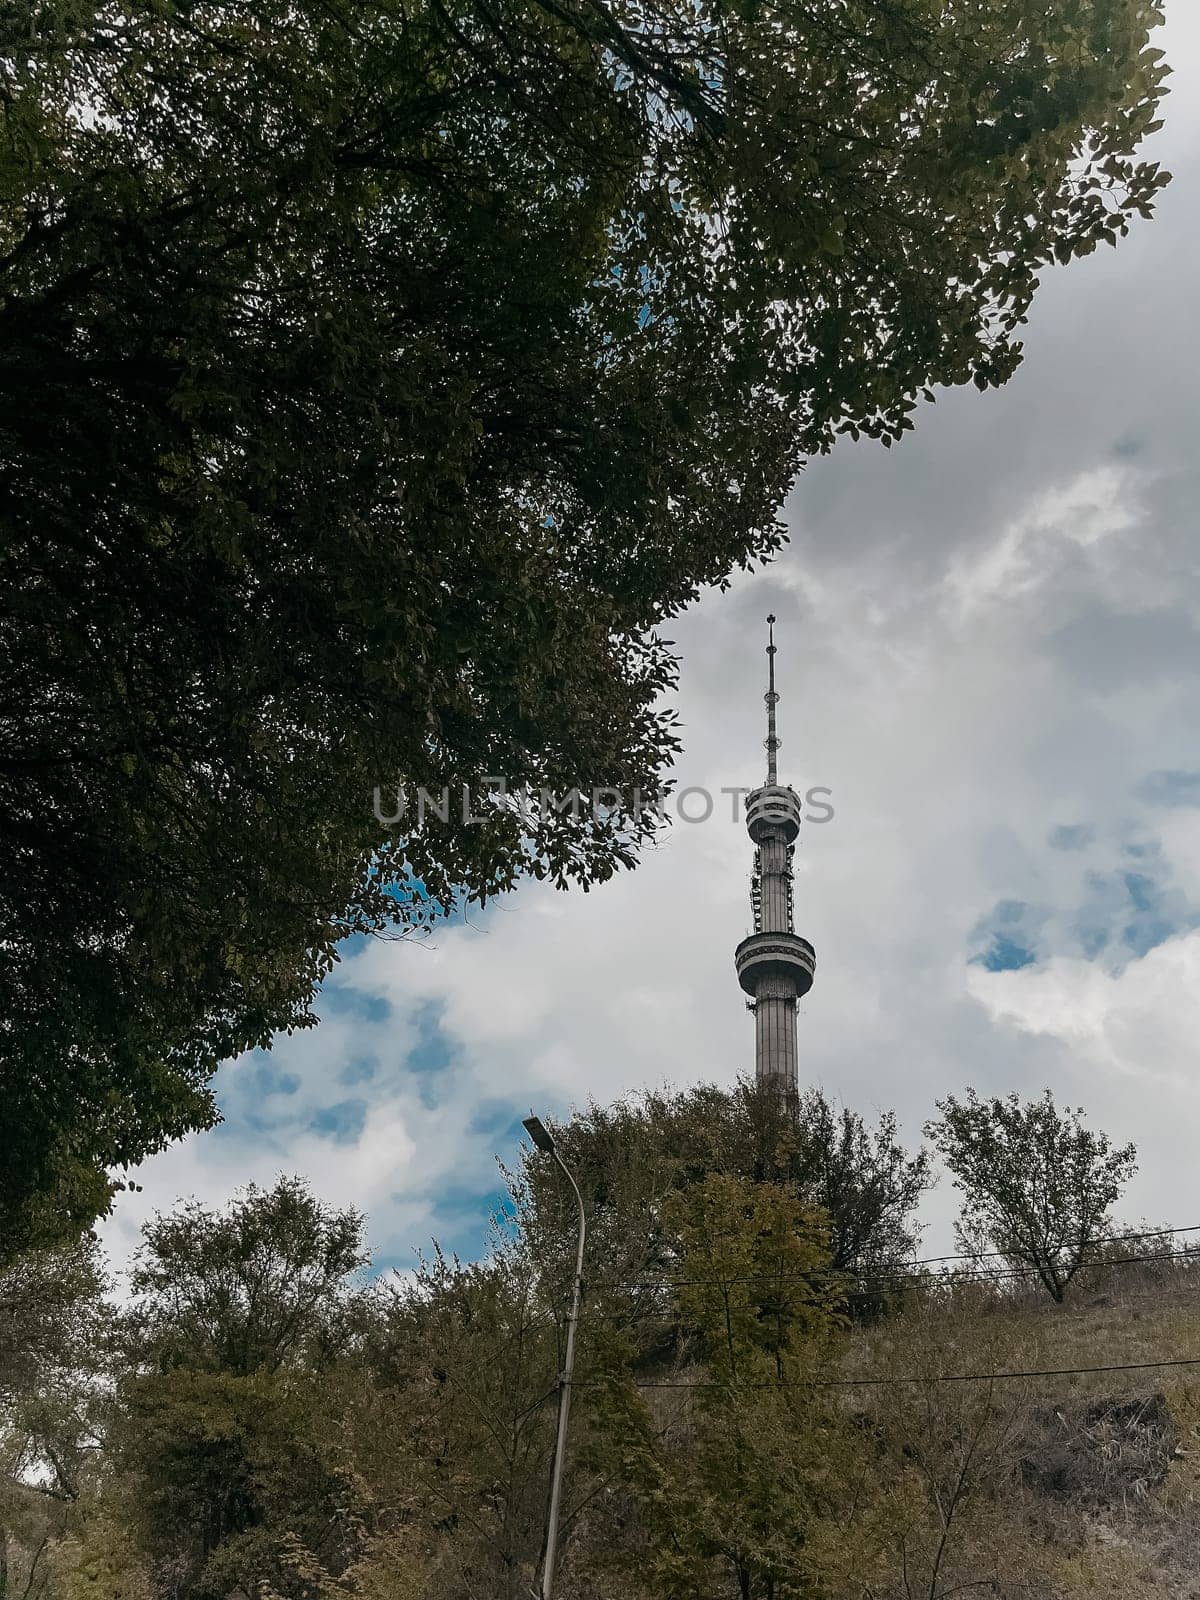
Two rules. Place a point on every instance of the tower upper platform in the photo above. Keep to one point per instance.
(774, 807)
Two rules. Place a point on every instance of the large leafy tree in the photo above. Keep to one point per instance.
(742, 1478)
(55, 1365)
(374, 382)
(454, 1425)
(630, 1157)
(226, 1430)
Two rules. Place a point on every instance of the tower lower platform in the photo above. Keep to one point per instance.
(778, 955)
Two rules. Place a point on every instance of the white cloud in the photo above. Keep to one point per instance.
(1142, 1021)
(1048, 533)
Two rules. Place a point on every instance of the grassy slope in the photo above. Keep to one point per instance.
(1046, 1487)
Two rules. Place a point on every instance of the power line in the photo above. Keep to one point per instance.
(1112, 1238)
(673, 1320)
(911, 1275)
(945, 1377)
(982, 1255)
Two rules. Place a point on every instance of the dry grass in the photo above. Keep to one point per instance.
(1043, 1488)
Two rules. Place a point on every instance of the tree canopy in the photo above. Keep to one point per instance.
(232, 1348)
(261, 1417)
(631, 1157)
(256, 1289)
(375, 382)
(748, 1485)
(1037, 1184)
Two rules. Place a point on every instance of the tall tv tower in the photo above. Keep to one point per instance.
(774, 964)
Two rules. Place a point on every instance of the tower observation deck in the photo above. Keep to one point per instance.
(774, 964)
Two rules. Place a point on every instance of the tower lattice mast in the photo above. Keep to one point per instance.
(774, 964)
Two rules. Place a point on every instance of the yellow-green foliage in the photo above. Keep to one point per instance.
(740, 1472)
(733, 1435)
(100, 1562)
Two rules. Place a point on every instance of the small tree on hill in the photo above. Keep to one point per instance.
(1037, 1185)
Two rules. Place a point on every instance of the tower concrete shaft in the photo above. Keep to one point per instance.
(774, 965)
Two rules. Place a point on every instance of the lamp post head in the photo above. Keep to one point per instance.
(536, 1130)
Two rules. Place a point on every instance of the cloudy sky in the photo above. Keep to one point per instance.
(990, 653)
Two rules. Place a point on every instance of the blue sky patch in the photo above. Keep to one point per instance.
(342, 1123)
(259, 1078)
(1005, 955)
(361, 1070)
(1177, 788)
(1133, 910)
(1071, 836)
(342, 999)
(1117, 913)
(1007, 938)
(255, 1095)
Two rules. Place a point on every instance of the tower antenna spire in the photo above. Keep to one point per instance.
(772, 700)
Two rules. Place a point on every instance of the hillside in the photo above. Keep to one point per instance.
(1045, 1487)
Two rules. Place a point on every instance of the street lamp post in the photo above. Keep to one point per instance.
(541, 1138)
